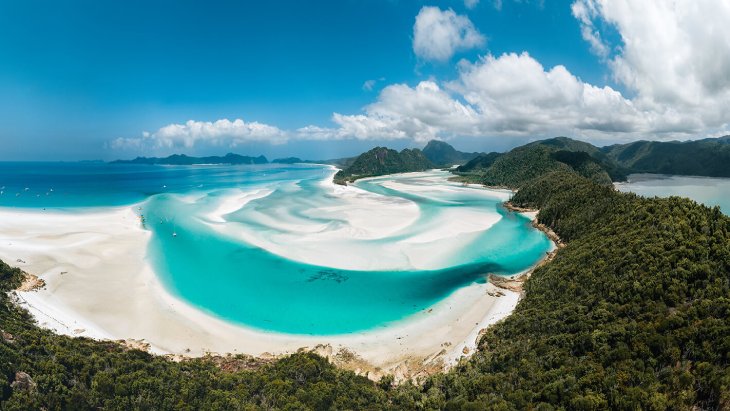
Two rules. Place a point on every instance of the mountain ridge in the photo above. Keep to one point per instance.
(182, 159)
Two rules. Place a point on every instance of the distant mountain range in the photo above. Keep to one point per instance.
(182, 159)
(230, 158)
(708, 157)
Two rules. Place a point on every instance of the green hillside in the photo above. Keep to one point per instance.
(524, 163)
(479, 163)
(614, 170)
(380, 161)
(708, 157)
(443, 154)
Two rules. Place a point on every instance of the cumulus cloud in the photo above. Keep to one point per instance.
(417, 113)
(507, 95)
(470, 4)
(674, 55)
(222, 132)
(673, 59)
(439, 34)
(514, 93)
(585, 12)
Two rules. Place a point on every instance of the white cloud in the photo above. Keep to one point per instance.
(419, 113)
(585, 12)
(438, 34)
(470, 4)
(674, 56)
(509, 95)
(222, 132)
(514, 93)
(673, 59)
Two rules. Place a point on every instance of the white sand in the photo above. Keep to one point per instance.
(100, 285)
(345, 240)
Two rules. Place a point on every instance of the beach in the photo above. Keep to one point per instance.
(100, 284)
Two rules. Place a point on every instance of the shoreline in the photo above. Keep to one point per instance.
(103, 258)
(532, 212)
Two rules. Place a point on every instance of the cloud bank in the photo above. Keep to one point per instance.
(223, 132)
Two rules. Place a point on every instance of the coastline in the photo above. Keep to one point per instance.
(532, 214)
(100, 285)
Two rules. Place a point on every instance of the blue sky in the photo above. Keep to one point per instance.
(77, 75)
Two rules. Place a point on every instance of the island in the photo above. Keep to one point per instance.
(182, 159)
(381, 161)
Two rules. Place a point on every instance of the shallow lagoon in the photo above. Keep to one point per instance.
(250, 273)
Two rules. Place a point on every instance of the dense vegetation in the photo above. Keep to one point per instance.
(443, 154)
(616, 171)
(525, 163)
(182, 159)
(522, 164)
(41, 370)
(479, 163)
(631, 314)
(709, 157)
(380, 161)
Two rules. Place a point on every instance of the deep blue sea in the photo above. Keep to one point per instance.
(231, 276)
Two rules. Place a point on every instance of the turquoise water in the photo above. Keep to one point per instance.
(710, 191)
(233, 279)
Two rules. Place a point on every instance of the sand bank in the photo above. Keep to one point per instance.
(346, 234)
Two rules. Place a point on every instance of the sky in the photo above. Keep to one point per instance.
(82, 80)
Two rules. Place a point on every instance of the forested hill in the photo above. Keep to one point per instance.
(442, 154)
(709, 157)
(479, 163)
(524, 163)
(380, 161)
(182, 159)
